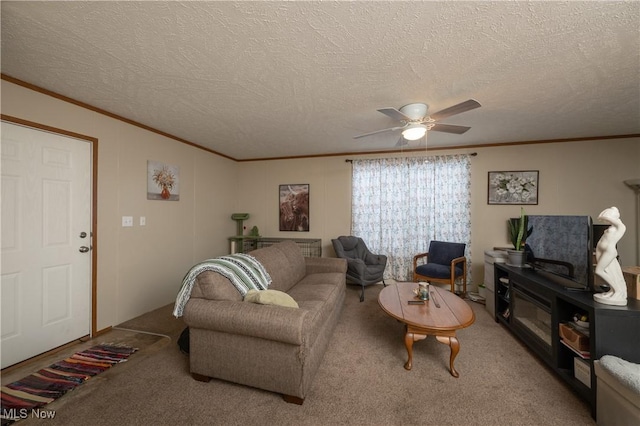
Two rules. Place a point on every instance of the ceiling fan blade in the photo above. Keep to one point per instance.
(456, 109)
(394, 113)
(378, 131)
(449, 128)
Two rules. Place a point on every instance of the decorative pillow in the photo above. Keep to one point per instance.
(270, 297)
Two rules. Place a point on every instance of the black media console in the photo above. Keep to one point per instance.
(532, 306)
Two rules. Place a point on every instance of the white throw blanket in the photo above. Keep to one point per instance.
(243, 270)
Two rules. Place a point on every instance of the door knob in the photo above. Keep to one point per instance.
(84, 249)
(83, 235)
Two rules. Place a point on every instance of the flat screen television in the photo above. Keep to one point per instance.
(560, 248)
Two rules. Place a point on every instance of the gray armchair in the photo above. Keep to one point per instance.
(363, 267)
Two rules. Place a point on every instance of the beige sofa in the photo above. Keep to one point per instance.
(270, 347)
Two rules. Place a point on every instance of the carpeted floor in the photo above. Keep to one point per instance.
(361, 381)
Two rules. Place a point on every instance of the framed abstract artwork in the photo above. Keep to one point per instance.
(294, 207)
(513, 187)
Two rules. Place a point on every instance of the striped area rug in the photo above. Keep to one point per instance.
(44, 386)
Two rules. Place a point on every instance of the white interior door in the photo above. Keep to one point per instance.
(46, 208)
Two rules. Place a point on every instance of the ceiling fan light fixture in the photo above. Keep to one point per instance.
(415, 111)
(414, 132)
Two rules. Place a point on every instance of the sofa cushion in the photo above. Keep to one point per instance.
(284, 262)
(213, 286)
(320, 294)
(270, 297)
(436, 270)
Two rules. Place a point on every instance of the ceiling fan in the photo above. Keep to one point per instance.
(416, 122)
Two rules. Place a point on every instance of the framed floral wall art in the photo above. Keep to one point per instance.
(514, 187)
(163, 181)
(294, 207)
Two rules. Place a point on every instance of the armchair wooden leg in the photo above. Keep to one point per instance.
(362, 294)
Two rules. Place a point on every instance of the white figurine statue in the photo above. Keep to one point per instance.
(607, 266)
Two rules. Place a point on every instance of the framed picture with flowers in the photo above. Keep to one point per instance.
(163, 181)
(514, 187)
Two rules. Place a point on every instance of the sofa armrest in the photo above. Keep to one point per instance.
(617, 391)
(325, 264)
(271, 322)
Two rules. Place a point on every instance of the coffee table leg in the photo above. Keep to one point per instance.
(453, 343)
(409, 338)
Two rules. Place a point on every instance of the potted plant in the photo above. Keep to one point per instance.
(518, 233)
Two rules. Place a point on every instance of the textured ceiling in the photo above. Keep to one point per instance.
(279, 79)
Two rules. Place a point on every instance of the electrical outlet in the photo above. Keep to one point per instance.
(127, 221)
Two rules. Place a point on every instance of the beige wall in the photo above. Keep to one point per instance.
(329, 180)
(576, 178)
(140, 268)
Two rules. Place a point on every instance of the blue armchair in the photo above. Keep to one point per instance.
(443, 263)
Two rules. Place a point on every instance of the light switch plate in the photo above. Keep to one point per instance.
(143, 221)
(127, 221)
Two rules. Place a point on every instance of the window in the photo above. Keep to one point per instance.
(400, 204)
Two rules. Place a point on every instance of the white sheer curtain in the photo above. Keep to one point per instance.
(400, 204)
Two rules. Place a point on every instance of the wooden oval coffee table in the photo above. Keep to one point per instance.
(440, 316)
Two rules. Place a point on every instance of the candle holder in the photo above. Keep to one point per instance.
(423, 291)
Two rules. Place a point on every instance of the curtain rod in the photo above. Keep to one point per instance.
(349, 160)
